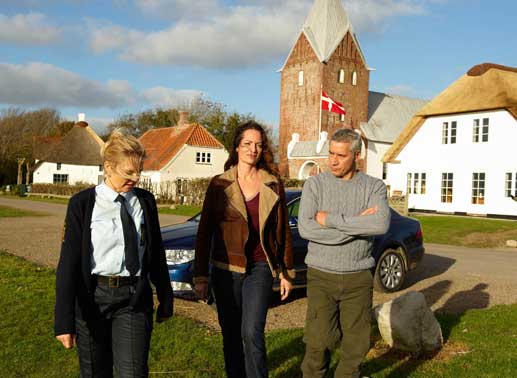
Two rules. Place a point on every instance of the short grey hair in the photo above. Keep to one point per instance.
(348, 136)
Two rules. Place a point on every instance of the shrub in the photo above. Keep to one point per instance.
(293, 183)
(59, 189)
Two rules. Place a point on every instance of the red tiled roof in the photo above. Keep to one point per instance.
(161, 145)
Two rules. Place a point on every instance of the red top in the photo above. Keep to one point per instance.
(254, 251)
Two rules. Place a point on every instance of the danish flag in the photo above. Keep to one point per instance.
(329, 104)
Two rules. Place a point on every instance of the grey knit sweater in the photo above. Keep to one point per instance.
(344, 244)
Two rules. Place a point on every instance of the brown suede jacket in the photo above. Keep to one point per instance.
(223, 228)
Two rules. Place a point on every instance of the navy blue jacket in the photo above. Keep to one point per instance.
(74, 283)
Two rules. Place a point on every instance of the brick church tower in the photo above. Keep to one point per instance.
(325, 57)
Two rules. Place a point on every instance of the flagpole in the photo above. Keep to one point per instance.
(319, 124)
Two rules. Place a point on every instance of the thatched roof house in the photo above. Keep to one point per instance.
(484, 87)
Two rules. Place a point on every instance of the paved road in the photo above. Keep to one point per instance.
(38, 238)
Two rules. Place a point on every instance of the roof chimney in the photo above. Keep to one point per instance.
(183, 118)
(81, 120)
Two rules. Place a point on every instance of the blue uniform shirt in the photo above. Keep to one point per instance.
(107, 234)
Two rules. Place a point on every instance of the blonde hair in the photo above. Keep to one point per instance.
(122, 146)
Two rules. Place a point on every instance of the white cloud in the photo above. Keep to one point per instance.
(176, 9)
(373, 15)
(39, 84)
(111, 37)
(209, 34)
(242, 36)
(30, 28)
(168, 97)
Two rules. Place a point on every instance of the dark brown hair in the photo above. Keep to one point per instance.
(266, 160)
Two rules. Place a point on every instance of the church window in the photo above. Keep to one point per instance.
(300, 78)
(354, 78)
(341, 76)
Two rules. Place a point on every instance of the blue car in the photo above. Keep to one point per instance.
(396, 252)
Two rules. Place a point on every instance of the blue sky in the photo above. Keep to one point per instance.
(110, 57)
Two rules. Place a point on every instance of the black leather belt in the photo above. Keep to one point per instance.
(115, 281)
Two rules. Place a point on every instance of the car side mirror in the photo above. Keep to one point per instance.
(293, 221)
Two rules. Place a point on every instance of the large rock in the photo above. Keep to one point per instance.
(408, 324)
(511, 243)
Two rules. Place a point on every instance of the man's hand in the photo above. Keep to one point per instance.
(370, 211)
(68, 340)
(201, 289)
(321, 217)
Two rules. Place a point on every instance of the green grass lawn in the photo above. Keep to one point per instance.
(480, 343)
(11, 212)
(186, 210)
(468, 232)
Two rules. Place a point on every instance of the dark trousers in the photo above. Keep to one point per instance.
(113, 335)
(242, 302)
(338, 311)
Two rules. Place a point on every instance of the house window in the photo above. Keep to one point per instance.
(416, 177)
(408, 183)
(416, 183)
(58, 166)
(100, 168)
(60, 178)
(342, 117)
(300, 78)
(449, 132)
(203, 157)
(341, 76)
(484, 134)
(478, 188)
(354, 78)
(453, 132)
(447, 181)
(510, 184)
(480, 132)
(384, 171)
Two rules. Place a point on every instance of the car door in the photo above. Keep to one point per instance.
(299, 244)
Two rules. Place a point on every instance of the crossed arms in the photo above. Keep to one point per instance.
(332, 228)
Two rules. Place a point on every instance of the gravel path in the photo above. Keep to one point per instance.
(453, 279)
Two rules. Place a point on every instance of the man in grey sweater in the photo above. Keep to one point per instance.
(340, 213)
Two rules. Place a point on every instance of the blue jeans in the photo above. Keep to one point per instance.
(242, 302)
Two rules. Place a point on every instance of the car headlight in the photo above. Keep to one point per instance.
(179, 256)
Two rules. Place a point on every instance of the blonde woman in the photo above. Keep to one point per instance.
(111, 250)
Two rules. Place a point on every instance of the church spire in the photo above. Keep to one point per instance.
(325, 27)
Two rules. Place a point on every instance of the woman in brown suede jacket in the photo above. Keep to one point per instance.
(243, 233)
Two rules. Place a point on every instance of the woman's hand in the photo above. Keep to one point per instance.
(285, 288)
(68, 340)
(201, 290)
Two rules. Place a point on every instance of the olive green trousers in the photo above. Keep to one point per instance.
(338, 315)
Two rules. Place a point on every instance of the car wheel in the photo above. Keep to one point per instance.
(390, 272)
